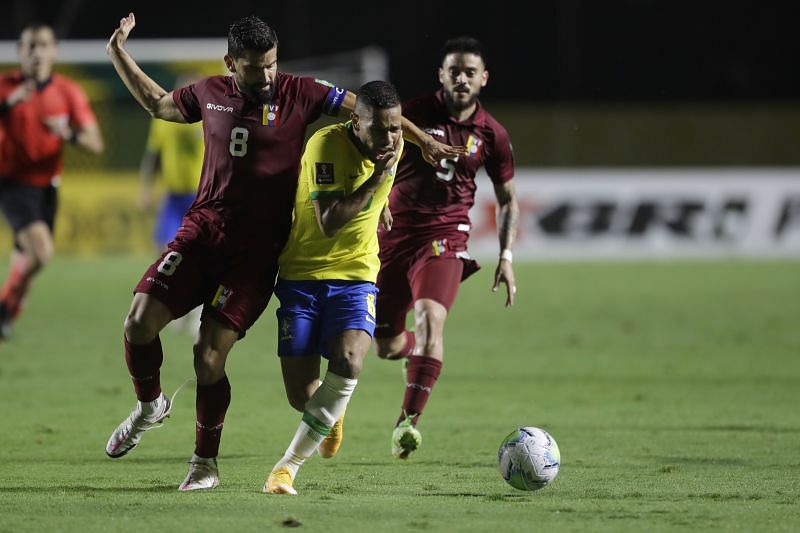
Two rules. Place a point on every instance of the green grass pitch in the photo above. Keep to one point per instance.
(673, 390)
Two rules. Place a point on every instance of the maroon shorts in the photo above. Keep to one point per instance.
(413, 269)
(233, 283)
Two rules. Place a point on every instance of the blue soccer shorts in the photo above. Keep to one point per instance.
(171, 216)
(311, 312)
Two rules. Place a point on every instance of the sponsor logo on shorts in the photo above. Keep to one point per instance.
(158, 282)
(439, 247)
(324, 173)
(221, 297)
(286, 330)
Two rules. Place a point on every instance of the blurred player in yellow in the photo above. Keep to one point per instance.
(175, 152)
(326, 281)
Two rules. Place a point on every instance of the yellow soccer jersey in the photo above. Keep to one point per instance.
(332, 166)
(181, 149)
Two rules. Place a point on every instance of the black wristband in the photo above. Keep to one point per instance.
(73, 137)
(4, 107)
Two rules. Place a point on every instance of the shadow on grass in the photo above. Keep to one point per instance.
(486, 497)
(86, 489)
(138, 460)
(711, 461)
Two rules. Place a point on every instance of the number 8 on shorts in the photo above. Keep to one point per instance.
(170, 263)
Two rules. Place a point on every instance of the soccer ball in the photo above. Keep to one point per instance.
(528, 458)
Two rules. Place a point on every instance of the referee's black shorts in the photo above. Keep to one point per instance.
(24, 204)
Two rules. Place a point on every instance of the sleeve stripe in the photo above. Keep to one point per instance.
(333, 101)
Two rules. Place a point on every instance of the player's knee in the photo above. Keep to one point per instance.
(44, 254)
(297, 399)
(347, 363)
(138, 329)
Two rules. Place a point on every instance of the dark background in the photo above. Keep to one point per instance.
(567, 50)
(577, 83)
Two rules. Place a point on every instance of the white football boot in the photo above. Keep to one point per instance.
(145, 416)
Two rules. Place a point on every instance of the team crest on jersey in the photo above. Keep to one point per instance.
(324, 174)
(221, 297)
(271, 116)
(473, 146)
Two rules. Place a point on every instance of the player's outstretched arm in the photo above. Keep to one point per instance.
(507, 215)
(148, 93)
(432, 150)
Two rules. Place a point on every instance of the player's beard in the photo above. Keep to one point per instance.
(457, 104)
(260, 95)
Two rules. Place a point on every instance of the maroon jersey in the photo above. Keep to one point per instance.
(252, 154)
(424, 196)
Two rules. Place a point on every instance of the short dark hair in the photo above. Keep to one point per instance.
(378, 94)
(36, 25)
(464, 45)
(250, 33)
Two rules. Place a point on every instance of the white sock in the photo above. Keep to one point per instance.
(323, 409)
(153, 407)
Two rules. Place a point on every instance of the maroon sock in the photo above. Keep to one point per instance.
(144, 364)
(408, 348)
(421, 376)
(212, 404)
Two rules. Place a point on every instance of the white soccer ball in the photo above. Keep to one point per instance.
(529, 458)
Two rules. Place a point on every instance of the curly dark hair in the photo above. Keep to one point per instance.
(250, 33)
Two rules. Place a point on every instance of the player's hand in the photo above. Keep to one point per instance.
(59, 126)
(120, 35)
(386, 218)
(387, 160)
(505, 274)
(433, 151)
(23, 91)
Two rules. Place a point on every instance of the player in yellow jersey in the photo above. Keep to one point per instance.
(176, 152)
(326, 282)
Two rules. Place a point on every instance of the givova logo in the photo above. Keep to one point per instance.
(218, 107)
